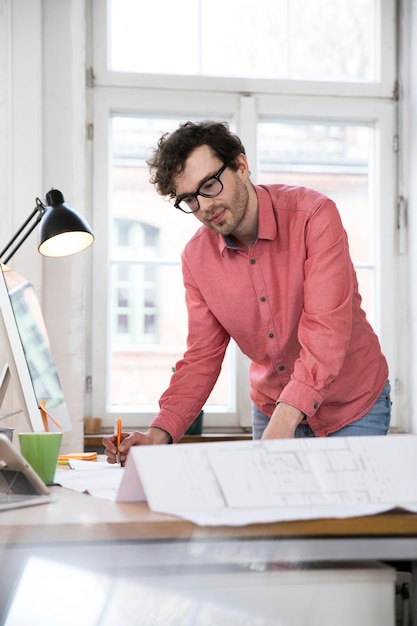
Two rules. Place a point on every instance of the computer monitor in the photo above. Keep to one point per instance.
(29, 357)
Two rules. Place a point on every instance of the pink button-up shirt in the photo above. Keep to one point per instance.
(292, 305)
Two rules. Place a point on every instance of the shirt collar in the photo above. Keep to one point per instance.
(267, 226)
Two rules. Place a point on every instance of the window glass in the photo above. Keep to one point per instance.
(149, 318)
(277, 39)
(334, 159)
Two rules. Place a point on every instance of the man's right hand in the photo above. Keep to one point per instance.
(154, 436)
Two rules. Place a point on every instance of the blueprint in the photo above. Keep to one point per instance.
(263, 481)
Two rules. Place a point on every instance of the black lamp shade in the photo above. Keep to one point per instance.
(62, 231)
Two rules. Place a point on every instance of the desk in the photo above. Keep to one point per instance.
(80, 530)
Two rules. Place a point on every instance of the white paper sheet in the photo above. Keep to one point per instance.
(101, 480)
(252, 482)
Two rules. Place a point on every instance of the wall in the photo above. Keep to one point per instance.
(21, 126)
(64, 109)
(409, 181)
(43, 112)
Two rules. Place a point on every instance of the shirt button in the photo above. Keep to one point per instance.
(262, 299)
(271, 335)
(281, 368)
(315, 405)
(252, 261)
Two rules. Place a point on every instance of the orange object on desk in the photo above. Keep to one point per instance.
(63, 459)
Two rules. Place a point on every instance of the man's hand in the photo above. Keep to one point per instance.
(284, 420)
(153, 436)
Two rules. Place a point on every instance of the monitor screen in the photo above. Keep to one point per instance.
(32, 366)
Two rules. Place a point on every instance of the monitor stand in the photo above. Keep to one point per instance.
(4, 384)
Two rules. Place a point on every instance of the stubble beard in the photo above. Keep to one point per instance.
(236, 211)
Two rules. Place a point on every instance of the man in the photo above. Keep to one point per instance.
(270, 267)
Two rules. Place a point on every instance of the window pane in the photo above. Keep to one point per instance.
(334, 159)
(148, 307)
(278, 39)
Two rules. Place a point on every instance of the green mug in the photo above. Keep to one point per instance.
(41, 451)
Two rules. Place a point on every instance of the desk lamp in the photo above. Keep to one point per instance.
(62, 231)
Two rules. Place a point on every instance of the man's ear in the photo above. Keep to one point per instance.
(243, 166)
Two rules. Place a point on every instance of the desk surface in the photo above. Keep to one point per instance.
(137, 562)
(76, 517)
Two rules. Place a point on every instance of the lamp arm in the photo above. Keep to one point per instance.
(40, 210)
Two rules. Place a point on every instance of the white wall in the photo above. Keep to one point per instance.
(21, 133)
(43, 112)
(408, 179)
(66, 280)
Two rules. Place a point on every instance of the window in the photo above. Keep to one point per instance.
(317, 40)
(312, 110)
(147, 308)
(333, 158)
(134, 283)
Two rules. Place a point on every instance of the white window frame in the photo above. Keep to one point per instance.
(383, 87)
(245, 102)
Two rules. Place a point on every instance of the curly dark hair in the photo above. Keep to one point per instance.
(173, 149)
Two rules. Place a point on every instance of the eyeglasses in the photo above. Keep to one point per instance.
(210, 188)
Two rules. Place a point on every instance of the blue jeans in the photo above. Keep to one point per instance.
(375, 422)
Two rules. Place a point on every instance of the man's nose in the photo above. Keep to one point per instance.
(205, 204)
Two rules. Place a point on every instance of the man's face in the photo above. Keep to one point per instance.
(225, 212)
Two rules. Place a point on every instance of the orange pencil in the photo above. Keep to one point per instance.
(118, 433)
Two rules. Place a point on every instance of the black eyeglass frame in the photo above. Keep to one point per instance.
(200, 193)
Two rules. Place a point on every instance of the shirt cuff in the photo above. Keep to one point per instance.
(301, 396)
